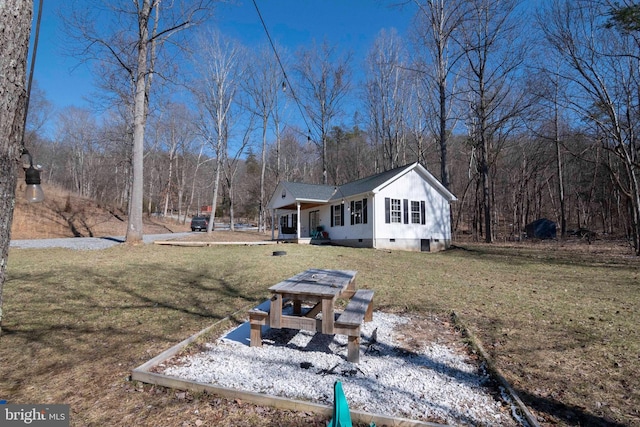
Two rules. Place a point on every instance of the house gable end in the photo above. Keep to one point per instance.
(425, 174)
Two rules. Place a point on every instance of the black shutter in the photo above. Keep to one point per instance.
(406, 211)
(364, 210)
(332, 215)
(423, 219)
(342, 214)
(353, 208)
(387, 210)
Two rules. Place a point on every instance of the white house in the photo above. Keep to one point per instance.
(404, 208)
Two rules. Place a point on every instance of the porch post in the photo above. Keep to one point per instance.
(273, 220)
(298, 225)
(374, 223)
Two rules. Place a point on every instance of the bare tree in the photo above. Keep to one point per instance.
(439, 22)
(232, 164)
(547, 86)
(419, 118)
(129, 38)
(386, 94)
(494, 55)
(262, 85)
(117, 134)
(175, 133)
(325, 81)
(78, 131)
(220, 69)
(185, 173)
(296, 156)
(278, 107)
(15, 25)
(196, 163)
(40, 111)
(601, 66)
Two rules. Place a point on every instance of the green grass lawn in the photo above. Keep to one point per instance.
(561, 325)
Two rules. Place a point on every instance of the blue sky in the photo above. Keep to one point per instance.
(352, 24)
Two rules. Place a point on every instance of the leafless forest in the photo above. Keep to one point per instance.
(522, 113)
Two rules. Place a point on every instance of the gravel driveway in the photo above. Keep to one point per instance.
(88, 243)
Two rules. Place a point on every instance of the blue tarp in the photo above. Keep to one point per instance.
(541, 229)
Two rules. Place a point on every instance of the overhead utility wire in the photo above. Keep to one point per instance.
(286, 78)
(33, 64)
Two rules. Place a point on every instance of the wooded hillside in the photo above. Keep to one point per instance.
(519, 125)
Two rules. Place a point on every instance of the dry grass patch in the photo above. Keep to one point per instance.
(238, 235)
(561, 326)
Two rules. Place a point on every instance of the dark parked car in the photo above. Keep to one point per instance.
(199, 223)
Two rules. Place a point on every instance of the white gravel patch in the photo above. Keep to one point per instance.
(435, 384)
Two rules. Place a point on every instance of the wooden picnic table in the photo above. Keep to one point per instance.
(319, 287)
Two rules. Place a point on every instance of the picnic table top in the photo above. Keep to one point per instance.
(316, 282)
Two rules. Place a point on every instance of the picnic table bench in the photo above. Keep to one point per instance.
(321, 288)
(359, 309)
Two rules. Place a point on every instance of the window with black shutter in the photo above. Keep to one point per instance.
(387, 210)
(337, 215)
(406, 211)
(332, 216)
(396, 211)
(357, 212)
(353, 212)
(364, 210)
(415, 212)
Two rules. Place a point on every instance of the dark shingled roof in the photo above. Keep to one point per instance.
(301, 190)
(367, 184)
(304, 191)
(326, 193)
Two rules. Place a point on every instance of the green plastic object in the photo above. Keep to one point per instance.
(341, 415)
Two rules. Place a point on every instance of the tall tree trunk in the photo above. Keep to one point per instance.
(15, 24)
(278, 148)
(135, 227)
(214, 200)
(563, 213)
(263, 169)
(232, 214)
(486, 194)
(324, 158)
(444, 169)
(216, 183)
(172, 156)
(181, 173)
(193, 186)
(635, 204)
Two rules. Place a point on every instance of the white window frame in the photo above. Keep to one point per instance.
(337, 215)
(357, 212)
(415, 212)
(396, 211)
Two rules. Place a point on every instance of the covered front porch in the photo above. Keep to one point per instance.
(300, 212)
(301, 226)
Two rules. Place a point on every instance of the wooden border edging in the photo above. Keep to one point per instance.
(274, 401)
(199, 244)
(495, 371)
(141, 373)
(169, 353)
